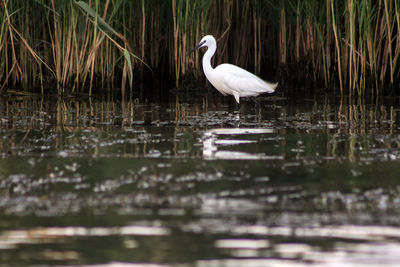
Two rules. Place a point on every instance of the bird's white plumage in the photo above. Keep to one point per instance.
(229, 79)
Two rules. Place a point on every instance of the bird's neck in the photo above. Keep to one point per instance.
(207, 61)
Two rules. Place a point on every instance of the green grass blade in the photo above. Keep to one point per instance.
(101, 23)
(128, 60)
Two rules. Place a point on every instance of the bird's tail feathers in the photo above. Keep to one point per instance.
(270, 86)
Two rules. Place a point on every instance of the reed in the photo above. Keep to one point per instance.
(81, 46)
(66, 43)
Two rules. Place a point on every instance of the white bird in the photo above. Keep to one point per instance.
(229, 79)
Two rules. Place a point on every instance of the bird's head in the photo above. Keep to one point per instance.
(207, 40)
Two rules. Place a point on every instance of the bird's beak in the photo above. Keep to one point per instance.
(197, 47)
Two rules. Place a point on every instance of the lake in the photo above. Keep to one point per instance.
(191, 181)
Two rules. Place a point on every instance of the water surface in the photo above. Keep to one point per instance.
(193, 182)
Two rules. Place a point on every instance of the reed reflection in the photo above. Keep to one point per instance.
(326, 128)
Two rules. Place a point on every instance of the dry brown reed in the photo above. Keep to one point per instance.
(78, 46)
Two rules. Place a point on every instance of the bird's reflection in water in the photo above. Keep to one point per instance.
(213, 140)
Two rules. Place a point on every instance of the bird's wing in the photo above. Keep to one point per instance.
(243, 82)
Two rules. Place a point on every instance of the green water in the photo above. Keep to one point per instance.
(192, 182)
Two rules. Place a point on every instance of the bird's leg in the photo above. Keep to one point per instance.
(257, 104)
(254, 98)
(237, 124)
(237, 107)
(237, 120)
